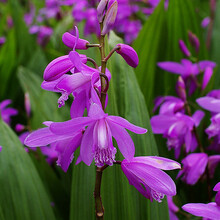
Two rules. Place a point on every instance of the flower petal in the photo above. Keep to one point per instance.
(209, 103)
(126, 124)
(86, 149)
(158, 162)
(123, 139)
(68, 127)
(172, 67)
(42, 137)
(210, 210)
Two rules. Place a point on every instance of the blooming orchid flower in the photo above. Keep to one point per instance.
(178, 129)
(97, 139)
(146, 171)
(5, 112)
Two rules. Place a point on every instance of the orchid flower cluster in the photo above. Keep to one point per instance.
(71, 75)
(179, 126)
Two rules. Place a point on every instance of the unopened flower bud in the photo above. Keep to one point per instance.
(69, 40)
(181, 88)
(27, 104)
(110, 17)
(193, 39)
(205, 22)
(184, 48)
(19, 127)
(101, 10)
(129, 54)
(58, 67)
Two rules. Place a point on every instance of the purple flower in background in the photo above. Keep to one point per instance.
(213, 161)
(61, 146)
(184, 48)
(178, 129)
(50, 152)
(189, 71)
(169, 105)
(209, 211)
(7, 113)
(145, 174)
(205, 22)
(2, 40)
(97, 139)
(194, 166)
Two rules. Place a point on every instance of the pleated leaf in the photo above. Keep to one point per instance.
(22, 193)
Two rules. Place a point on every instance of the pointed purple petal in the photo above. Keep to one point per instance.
(123, 139)
(42, 137)
(66, 156)
(158, 162)
(197, 117)
(172, 67)
(206, 63)
(71, 126)
(210, 210)
(209, 103)
(86, 149)
(126, 124)
(78, 105)
(73, 82)
(207, 76)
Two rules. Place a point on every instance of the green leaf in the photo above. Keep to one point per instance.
(22, 193)
(148, 46)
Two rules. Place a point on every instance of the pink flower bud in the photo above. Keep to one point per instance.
(27, 104)
(19, 127)
(110, 17)
(129, 54)
(181, 89)
(69, 40)
(184, 48)
(193, 39)
(58, 67)
(101, 10)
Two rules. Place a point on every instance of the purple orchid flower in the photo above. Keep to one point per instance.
(65, 145)
(209, 211)
(178, 129)
(189, 71)
(7, 113)
(97, 139)
(194, 166)
(169, 105)
(145, 174)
